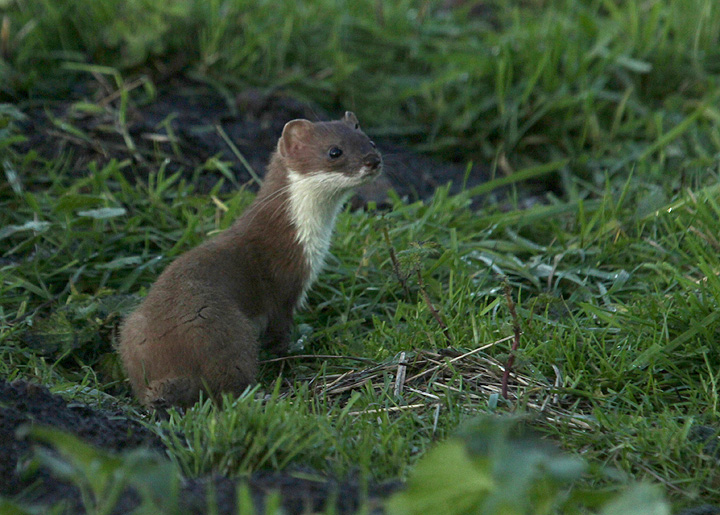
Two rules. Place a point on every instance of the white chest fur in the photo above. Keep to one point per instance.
(315, 200)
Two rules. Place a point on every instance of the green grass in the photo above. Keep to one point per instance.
(615, 279)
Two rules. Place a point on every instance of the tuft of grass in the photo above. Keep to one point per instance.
(297, 431)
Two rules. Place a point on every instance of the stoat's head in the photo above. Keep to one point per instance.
(338, 150)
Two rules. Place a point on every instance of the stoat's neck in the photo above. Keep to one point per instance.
(314, 202)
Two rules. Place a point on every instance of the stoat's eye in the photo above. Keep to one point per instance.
(372, 144)
(334, 152)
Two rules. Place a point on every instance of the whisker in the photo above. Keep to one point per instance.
(282, 205)
(258, 205)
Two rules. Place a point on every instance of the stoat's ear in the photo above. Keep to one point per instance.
(351, 120)
(295, 134)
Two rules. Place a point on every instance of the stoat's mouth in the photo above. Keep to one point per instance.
(369, 174)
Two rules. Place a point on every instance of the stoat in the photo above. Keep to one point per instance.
(206, 317)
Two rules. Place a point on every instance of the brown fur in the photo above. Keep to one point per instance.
(209, 312)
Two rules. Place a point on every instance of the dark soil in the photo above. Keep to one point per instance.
(187, 125)
(24, 403)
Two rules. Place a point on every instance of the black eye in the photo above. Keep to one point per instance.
(335, 152)
(372, 143)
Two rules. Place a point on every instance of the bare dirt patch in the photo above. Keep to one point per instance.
(23, 403)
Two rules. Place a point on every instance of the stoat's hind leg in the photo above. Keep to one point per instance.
(231, 350)
(210, 346)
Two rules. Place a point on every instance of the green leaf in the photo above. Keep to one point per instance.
(9, 230)
(634, 65)
(95, 465)
(642, 499)
(105, 476)
(122, 262)
(103, 212)
(447, 480)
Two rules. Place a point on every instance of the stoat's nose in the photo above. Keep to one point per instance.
(372, 161)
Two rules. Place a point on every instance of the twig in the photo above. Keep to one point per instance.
(400, 377)
(516, 338)
(470, 353)
(354, 386)
(78, 141)
(114, 95)
(663, 480)
(395, 262)
(389, 410)
(328, 386)
(421, 285)
(432, 309)
(5, 36)
(482, 371)
(436, 417)
(423, 394)
(558, 382)
(33, 311)
(438, 384)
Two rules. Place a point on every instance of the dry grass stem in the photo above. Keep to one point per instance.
(471, 374)
(400, 376)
